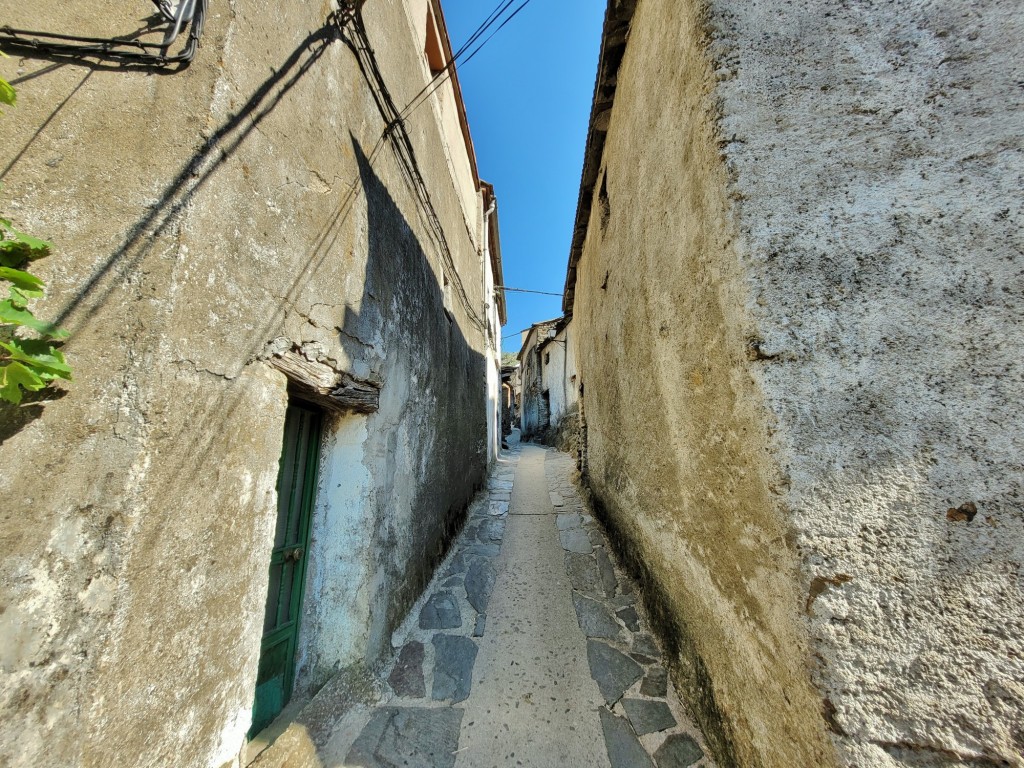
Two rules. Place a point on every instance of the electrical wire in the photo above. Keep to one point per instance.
(121, 49)
(526, 290)
(498, 10)
(444, 75)
(483, 27)
(506, 21)
(396, 133)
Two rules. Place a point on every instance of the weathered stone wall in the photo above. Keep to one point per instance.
(558, 373)
(197, 217)
(798, 310)
(535, 416)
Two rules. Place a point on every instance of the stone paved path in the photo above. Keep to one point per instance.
(528, 649)
(533, 700)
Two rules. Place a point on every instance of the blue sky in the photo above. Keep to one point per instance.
(528, 94)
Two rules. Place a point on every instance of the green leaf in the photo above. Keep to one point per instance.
(9, 313)
(7, 93)
(26, 282)
(33, 243)
(18, 299)
(41, 356)
(14, 376)
(16, 247)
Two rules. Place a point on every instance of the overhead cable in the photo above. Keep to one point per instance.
(484, 25)
(444, 75)
(525, 290)
(397, 134)
(506, 21)
(191, 13)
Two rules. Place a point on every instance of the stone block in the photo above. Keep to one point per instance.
(594, 618)
(454, 657)
(441, 611)
(678, 751)
(406, 678)
(624, 748)
(613, 671)
(576, 540)
(648, 716)
(479, 584)
(408, 736)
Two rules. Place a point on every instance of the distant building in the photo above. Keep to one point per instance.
(548, 379)
(558, 373)
(509, 398)
(535, 405)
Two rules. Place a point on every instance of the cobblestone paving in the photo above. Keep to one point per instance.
(433, 669)
(420, 722)
(643, 722)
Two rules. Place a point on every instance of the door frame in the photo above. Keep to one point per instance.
(289, 631)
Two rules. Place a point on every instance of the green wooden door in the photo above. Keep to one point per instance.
(296, 488)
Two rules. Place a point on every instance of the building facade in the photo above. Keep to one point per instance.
(277, 267)
(796, 291)
(558, 374)
(535, 399)
(496, 314)
(509, 398)
(550, 388)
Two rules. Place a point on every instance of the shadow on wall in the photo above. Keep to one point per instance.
(209, 158)
(426, 446)
(446, 403)
(50, 118)
(153, 23)
(188, 453)
(387, 225)
(442, 415)
(83, 307)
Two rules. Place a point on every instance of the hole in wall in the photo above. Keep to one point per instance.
(604, 204)
(433, 50)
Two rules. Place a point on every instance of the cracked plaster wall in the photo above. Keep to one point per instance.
(197, 216)
(559, 374)
(533, 417)
(799, 333)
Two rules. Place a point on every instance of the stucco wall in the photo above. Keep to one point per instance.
(559, 373)
(799, 326)
(535, 416)
(446, 113)
(197, 217)
(493, 312)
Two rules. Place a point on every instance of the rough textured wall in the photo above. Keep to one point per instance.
(799, 315)
(677, 450)
(877, 167)
(559, 374)
(197, 217)
(446, 113)
(535, 415)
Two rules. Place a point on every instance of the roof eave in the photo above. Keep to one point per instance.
(614, 37)
(495, 249)
(442, 28)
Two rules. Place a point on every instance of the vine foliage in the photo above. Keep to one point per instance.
(30, 356)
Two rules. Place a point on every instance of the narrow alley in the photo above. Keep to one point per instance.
(446, 384)
(529, 648)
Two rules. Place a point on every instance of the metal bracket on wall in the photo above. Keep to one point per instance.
(348, 10)
(178, 14)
